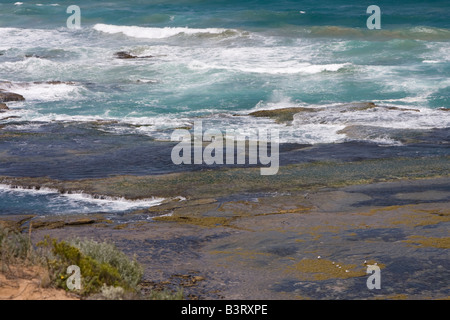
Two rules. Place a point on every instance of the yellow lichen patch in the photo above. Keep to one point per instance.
(323, 269)
(442, 243)
(179, 204)
(421, 218)
(198, 221)
(439, 212)
(121, 226)
(385, 209)
(316, 232)
(239, 208)
(316, 237)
(296, 210)
(302, 298)
(410, 216)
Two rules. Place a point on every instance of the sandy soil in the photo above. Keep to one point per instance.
(29, 283)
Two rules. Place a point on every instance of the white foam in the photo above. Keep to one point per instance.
(82, 202)
(35, 91)
(19, 189)
(278, 101)
(111, 203)
(413, 100)
(398, 117)
(37, 68)
(437, 52)
(31, 38)
(63, 118)
(324, 124)
(281, 68)
(154, 33)
(147, 80)
(264, 60)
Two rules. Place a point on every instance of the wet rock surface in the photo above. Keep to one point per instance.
(284, 246)
(55, 150)
(231, 233)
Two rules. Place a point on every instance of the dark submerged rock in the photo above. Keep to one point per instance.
(127, 55)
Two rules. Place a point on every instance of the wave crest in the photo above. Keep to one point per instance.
(157, 33)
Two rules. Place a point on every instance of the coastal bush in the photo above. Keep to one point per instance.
(118, 293)
(165, 295)
(106, 272)
(13, 246)
(129, 269)
(112, 293)
(101, 264)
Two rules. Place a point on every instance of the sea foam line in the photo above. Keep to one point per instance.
(154, 33)
(121, 202)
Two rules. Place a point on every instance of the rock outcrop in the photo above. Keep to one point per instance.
(286, 115)
(6, 96)
(283, 114)
(127, 55)
(3, 107)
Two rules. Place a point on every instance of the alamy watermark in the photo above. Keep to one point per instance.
(374, 280)
(74, 281)
(374, 21)
(74, 21)
(253, 145)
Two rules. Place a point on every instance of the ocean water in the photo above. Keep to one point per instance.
(218, 61)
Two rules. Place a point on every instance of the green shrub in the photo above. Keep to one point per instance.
(165, 295)
(101, 264)
(130, 270)
(13, 246)
(106, 272)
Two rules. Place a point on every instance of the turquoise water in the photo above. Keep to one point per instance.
(226, 57)
(220, 60)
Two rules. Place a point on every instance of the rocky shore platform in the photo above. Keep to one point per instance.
(308, 233)
(226, 232)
